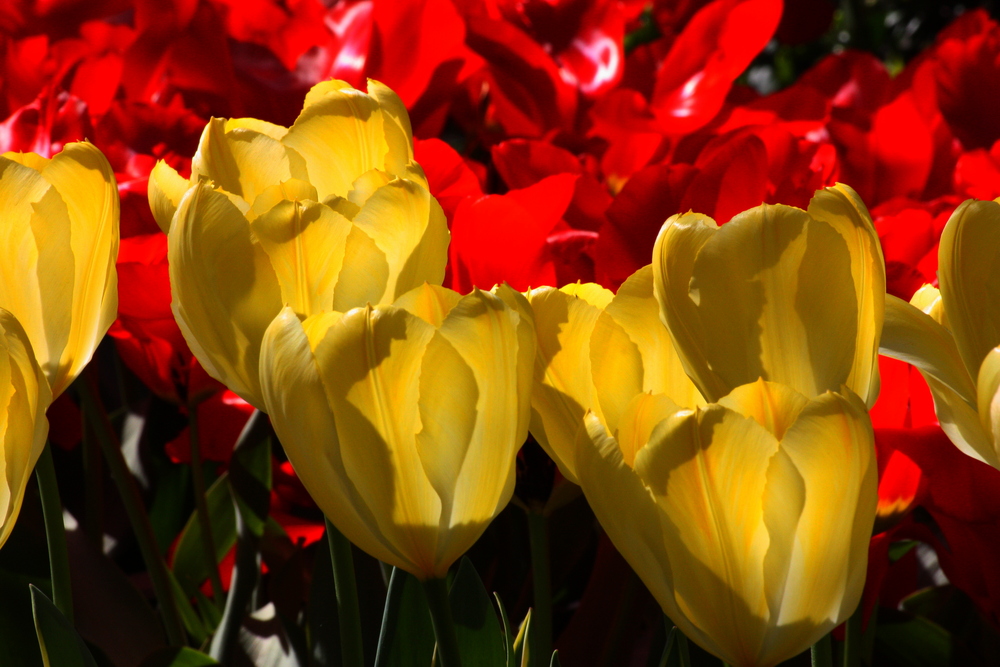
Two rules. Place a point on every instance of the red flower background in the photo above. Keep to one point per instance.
(558, 135)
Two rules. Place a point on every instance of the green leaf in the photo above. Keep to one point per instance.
(413, 643)
(522, 656)
(58, 641)
(915, 641)
(189, 560)
(480, 639)
(554, 662)
(250, 479)
(324, 636)
(508, 638)
(899, 549)
(178, 657)
(192, 622)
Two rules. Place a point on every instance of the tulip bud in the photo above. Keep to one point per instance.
(952, 335)
(328, 214)
(595, 352)
(403, 421)
(730, 514)
(58, 274)
(793, 296)
(24, 398)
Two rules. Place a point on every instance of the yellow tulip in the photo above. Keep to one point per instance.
(328, 214)
(732, 517)
(403, 421)
(58, 273)
(595, 352)
(24, 398)
(952, 335)
(792, 296)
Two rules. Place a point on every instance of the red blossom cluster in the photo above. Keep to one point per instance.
(556, 153)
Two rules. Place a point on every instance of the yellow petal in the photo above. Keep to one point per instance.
(707, 470)
(305, 243)
(370, 363)
(165, 189)
(841, 208)
(928, 299)
(408, 225)
(774, 406)
(302, 418)
(498, 345)
(772, 295)
(364, 275)
(365, 185)
(431, 303)
(340, 135)
(396, 124)
(969, 276)
(24, 398)
(290, 190)
(83, 177)
(563, 389)
(225, 292)
(819, 524)
(631, 351)
(642, 414)
(241, 160)
(30, 160)
(988, 390)
(324, 88)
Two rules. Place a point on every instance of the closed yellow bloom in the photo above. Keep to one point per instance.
(403, 421)
(747, 519)
(792, 296)
(24, 398)
(58, 273)
(328, 214)
(595, 352)
(952, 335)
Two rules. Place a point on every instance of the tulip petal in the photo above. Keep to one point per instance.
(969, 277)
(165, 189)
(631, 326)
(305, 243)
(642, 414)
(86, 181)
(240, 160)
(488, 336)
(912, 336)
(707, 470)
(987, 389)
(396, 124)
(290, 190)
(408, 225)
(563, 389)
(772, 293)
(339, 135)
(774, 406)
(296, 401)
(370, 363)
(819, 524)
(841, 208)
(431, 303)
(225, 292)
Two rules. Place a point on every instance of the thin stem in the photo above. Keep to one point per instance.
(244, 578)
(822, 652)
(348, 612)
(853, 640)
(541, 577)
(55, 533)
(132, 499)
(683, 650)
(668, 647)
(390, 616)
(201, 506)
(444, 626)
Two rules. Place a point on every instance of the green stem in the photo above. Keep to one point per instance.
(201, 506)
(93, 483)
(348, 612)
(132, 499)
(541, 577)
(683, 650)
(668, 647)
(853, 640)
(444, 626)
(822, 652)
(390, 616)
(55, 532)
(243, 582)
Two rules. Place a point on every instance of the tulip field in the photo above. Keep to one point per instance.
(499, 333)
